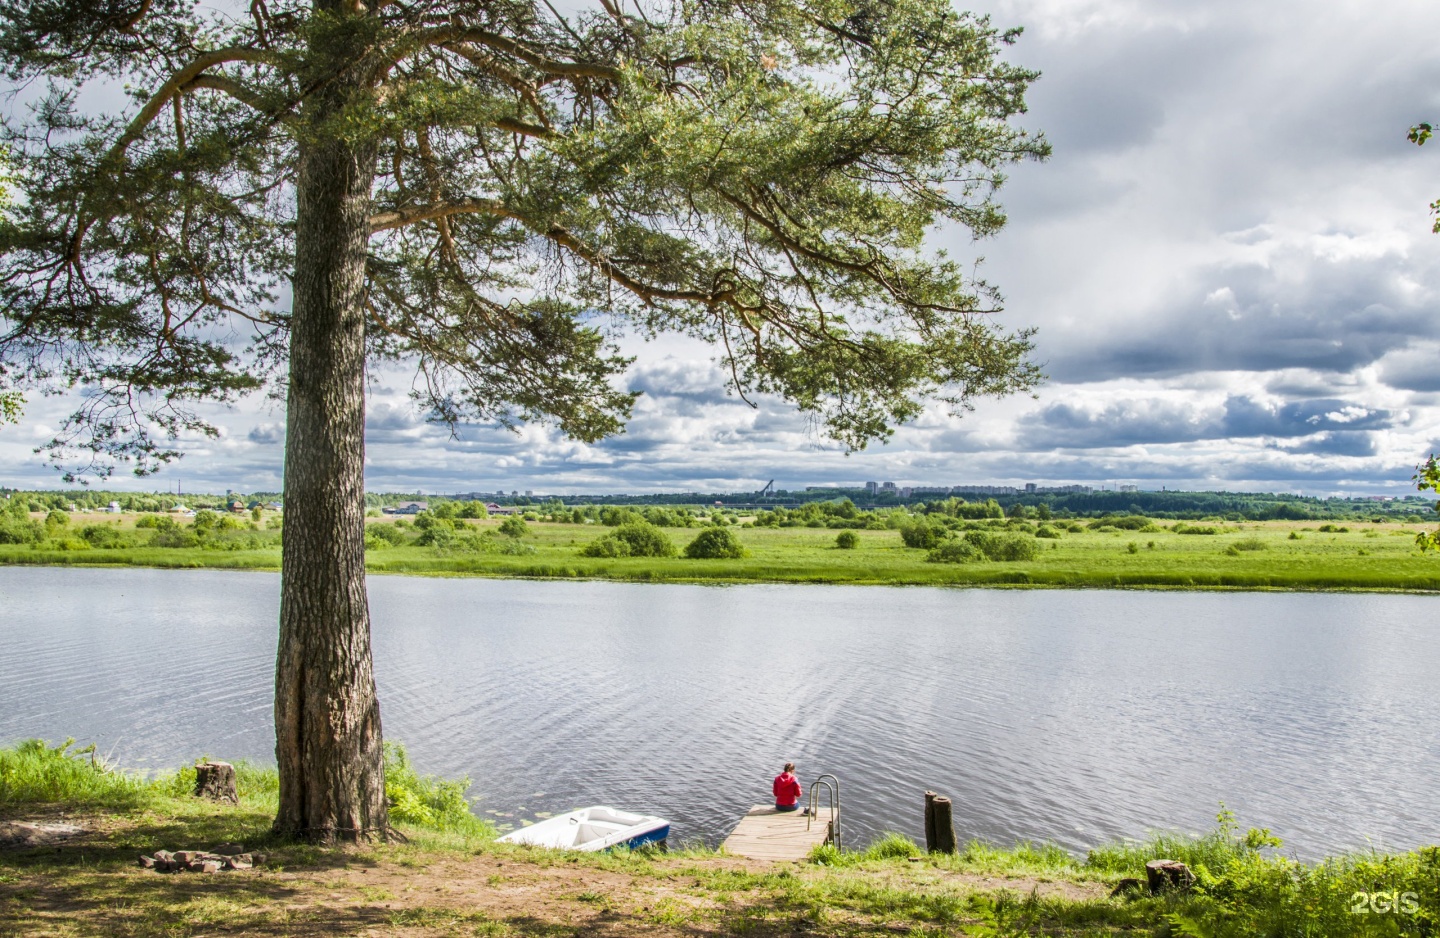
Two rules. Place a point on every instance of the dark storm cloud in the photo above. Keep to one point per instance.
(1337, 317)
(1325, 426)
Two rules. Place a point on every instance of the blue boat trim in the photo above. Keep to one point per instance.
(649, 837)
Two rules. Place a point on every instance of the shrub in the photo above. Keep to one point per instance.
(19, 531)
(514, 526)
(1333, 529)
(427, 801)
(104, 536)
(1183, 528)
(956, 552)
(1132, 548)
(176, 537)
(715, 544)
(1006, 547)
(921, 534)
(1294, 535)
(1249, 543)
(847, 540)
(389, 533)
(1047, 531)
(635, 539)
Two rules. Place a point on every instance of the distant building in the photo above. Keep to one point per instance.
(407, 508)
(871, 488)
(113, 508)
(1129, 488)
(887, 488)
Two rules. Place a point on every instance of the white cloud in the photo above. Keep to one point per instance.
(1228, 258)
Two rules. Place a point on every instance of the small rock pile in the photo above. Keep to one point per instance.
(223, 857)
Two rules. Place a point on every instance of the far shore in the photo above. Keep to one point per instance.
(1273, 555)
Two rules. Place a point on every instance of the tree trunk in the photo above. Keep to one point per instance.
(327, 716)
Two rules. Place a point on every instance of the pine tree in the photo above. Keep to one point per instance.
(297, 188)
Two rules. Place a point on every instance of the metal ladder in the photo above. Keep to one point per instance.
(832, 791)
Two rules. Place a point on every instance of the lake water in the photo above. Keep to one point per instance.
(1072, 716)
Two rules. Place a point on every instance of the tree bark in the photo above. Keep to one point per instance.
(327, 715)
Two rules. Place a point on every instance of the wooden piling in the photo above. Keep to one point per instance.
(929, 822)
(944, 825)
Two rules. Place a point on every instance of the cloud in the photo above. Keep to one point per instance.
(1228, 259)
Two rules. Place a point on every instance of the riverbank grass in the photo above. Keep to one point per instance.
(1183, 555)
(452, 878)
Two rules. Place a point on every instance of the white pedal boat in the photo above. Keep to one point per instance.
(592, 829)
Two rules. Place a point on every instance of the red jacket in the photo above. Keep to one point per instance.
(787, 790)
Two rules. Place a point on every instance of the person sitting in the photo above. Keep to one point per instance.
(787, 789)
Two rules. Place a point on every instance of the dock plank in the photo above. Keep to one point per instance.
(766, 834)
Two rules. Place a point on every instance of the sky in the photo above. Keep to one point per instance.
(1228, 261)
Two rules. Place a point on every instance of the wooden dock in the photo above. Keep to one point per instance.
(766, 834)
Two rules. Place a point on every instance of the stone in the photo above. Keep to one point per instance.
(216, 781)
(229, 850)
(208, 866)
(238, 862)
(1167, 875)
(147, 863)
(164, 856)
(185, 857)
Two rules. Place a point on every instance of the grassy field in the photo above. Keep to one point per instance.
(1246, 555)
(450, 878)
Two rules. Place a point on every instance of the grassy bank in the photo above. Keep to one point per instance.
(451, 878)
(1247, 555)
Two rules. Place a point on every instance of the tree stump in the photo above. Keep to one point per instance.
(1166, 875)
(944, 825)
(929, 822)
(216, 781)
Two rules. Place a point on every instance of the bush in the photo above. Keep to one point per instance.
(514, 526)
(1249, 543)
(104, 536)
(635, 539)
(1182, 528)
(715, 544)
(956, 552)
(847, 540)
(176, 537)
(1047, 531)
(389, 533)
(1006, 547)
(20, 531)
(921, 534)
(427, 801)
(1333, 529)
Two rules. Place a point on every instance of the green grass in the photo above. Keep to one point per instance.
(1245, 886)
(1251, 555)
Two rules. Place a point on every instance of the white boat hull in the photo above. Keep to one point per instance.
(592, 829)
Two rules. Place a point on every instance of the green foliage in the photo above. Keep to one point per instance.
(472, 509)
(1004, 547)
(632, 539)
(1129, 523)
(105, 536)
(514, 526)
(428, 801)
(1047, 531)
(1332, 529)
(847, 540)
(1249, 543)
(922, 534)
(962, 551)
(1427, 474)
(715, 544)
(32, 772)
(1202, 529)
(384, 535)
